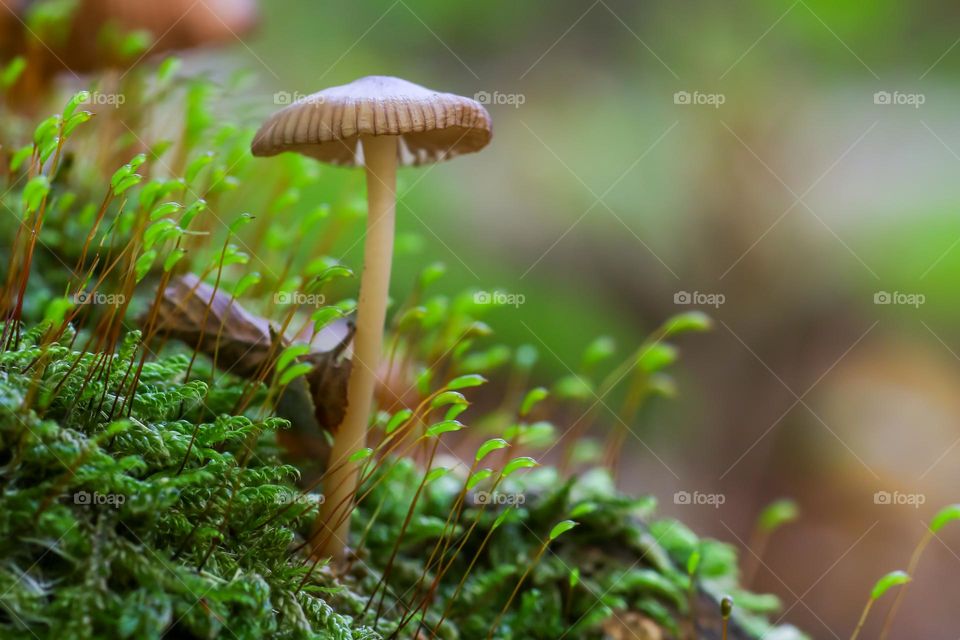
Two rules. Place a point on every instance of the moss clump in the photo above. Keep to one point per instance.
(620, 564)
(101, 537)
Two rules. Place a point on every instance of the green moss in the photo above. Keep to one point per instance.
(101, 536)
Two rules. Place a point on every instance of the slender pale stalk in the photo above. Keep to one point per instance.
(726, 608)
(758, 547)
(516, 589)
(863, 619)
(380, 155)
(902, 592)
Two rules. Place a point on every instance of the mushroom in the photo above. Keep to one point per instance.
(176, 24)
(376, 122)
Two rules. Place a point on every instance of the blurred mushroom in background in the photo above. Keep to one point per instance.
(81, 36)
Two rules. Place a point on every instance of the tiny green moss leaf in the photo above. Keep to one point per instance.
(561, 528)
(533, 397)
(294, 372)
(290, 354)
(362, 454)
(490, 446)
(447, 426)
(598, 351)
(944, 517)
(887, 582)
(687, 322)
(398, 419)
(435, 474)
(656, 356)
(478, 477)
(518, 463)
(446, 398)
(465, 382)
(693, 563)
(778, 514)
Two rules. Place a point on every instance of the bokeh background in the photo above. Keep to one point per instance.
(787, 166)
(798, 200)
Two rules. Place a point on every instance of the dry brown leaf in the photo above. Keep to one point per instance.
(218, 326)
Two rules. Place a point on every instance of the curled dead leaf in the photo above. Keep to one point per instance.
(242, 343)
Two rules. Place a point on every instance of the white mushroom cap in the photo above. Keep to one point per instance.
(328, 125)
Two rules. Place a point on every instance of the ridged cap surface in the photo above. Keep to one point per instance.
(327, 125)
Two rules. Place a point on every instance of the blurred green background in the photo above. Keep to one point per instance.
(787, 166)
(798, 199)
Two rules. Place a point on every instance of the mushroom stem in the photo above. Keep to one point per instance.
(380, 156)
